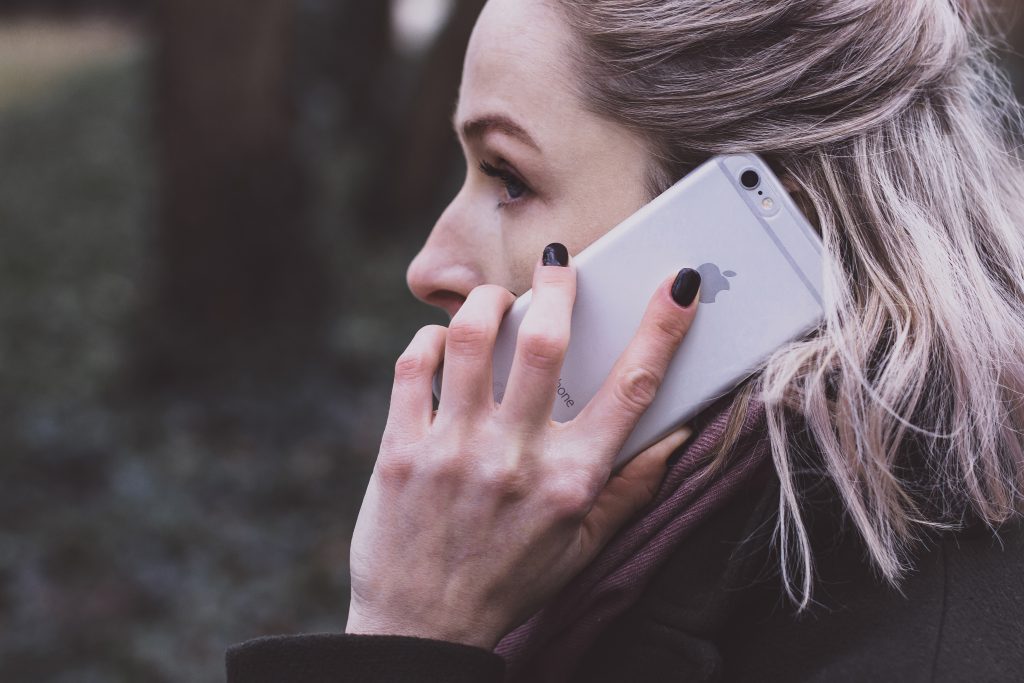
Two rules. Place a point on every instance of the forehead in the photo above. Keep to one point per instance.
(518, 64)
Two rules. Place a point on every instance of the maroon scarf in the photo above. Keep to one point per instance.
(548, 646)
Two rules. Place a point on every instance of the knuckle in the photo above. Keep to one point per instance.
(636, 388)
(504, 481)
(417, 359)
(412, 365)
(451, 470)
(568, 498)
(671, 326)
(394, 469)
(468, 335)
(452, 463)
(542, 349)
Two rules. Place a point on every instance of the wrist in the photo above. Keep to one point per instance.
(366, 622)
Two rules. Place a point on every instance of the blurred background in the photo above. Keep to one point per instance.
(206, 212)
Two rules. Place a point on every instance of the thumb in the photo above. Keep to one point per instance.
(628, 492)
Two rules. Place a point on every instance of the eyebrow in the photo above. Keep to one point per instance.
(475, 129)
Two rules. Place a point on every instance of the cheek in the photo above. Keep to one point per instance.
(524, 243)
(608, 203)
(584, 208)
(522, 252)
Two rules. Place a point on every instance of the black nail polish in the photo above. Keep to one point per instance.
(555, 254)
(684, 289)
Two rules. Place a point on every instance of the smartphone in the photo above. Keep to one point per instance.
(761, 267)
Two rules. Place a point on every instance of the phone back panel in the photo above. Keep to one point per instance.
(761, 271)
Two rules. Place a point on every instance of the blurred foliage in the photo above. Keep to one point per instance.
(141, 534)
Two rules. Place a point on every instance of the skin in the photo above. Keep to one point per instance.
(586, 177)
(476, 515)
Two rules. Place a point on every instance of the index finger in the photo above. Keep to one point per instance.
(541, 343)
(634, 380)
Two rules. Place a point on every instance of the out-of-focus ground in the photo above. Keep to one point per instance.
(142, 533)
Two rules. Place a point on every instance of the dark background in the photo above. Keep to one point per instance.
(206, 212)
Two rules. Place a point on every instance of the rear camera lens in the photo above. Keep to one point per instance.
(750, 180)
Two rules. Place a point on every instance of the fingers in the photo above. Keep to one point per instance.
(412, 395)
(541, 343)
(628, 492)
(634, 380)
(466, 383)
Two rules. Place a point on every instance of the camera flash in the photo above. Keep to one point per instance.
(768, 204)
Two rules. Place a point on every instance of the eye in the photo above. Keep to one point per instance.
(515, 188)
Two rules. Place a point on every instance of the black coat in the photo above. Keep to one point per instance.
(717, 612)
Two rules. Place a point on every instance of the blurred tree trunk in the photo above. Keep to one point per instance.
(237, 268)
(365, 59)
(427, 138)
(420, 156)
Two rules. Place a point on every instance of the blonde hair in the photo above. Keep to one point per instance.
(902, 136)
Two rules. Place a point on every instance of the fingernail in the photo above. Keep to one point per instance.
(684, 289)
(555, 254)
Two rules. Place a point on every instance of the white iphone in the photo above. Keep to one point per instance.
(761, 267)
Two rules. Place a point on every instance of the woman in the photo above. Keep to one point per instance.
(860, 516)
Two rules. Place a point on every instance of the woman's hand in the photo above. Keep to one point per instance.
(477, 515)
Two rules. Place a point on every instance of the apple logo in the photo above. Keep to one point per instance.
(712, 281)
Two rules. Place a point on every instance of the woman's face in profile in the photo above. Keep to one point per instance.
(540, 168)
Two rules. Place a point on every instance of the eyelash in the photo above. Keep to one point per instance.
(507, 178)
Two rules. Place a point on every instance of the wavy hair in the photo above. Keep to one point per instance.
(900, 136)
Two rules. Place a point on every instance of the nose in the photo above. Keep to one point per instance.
(448, 266)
